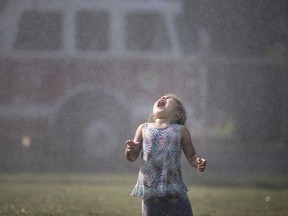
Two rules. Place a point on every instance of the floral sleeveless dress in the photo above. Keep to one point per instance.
(160, 173)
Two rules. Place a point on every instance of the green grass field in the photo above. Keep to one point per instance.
(109, 195)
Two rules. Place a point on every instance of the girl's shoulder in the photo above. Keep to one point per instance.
(184, 130)
(183, 127)
(146, 124)
(143, 125)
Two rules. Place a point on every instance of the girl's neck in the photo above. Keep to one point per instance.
(161, 123)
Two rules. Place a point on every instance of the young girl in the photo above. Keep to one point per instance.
(161, 142)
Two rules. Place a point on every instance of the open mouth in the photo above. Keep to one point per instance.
(161, 103)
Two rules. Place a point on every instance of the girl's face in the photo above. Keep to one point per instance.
(165, 107)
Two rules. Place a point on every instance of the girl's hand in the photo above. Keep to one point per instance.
(201, 164)
(132, 146)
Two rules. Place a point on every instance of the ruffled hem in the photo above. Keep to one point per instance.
(160, 191)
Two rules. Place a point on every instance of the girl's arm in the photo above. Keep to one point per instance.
(188, 147)
(189, 150)
(133, 147)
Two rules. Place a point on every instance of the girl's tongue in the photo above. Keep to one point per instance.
(161, 103)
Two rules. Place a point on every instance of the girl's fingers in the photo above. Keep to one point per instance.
(128, 141)
(201, 164)
(132, 143)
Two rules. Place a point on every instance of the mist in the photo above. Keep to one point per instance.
(78, 77)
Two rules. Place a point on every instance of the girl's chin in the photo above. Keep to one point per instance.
(159, 113)
(158, 110)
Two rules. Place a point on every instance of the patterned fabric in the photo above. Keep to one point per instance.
(160, 173)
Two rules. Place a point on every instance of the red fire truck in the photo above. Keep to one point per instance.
(77, 77)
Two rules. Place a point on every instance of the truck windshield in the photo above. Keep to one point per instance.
(146, 32)
(40, 31)
(92, 30)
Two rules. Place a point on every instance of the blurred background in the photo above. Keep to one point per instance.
(78, 77)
